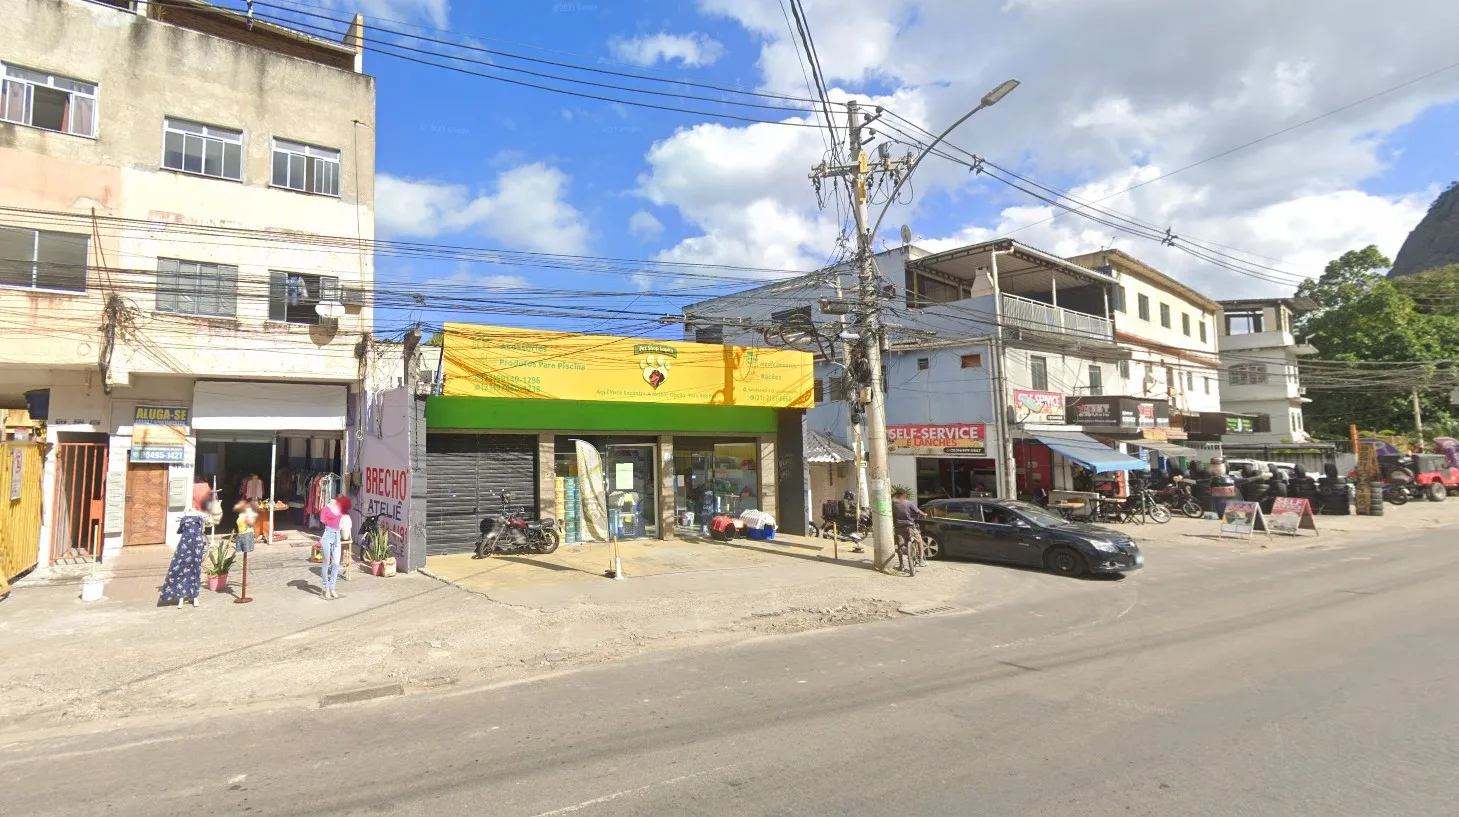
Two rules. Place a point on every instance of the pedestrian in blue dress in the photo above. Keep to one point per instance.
(184, 575)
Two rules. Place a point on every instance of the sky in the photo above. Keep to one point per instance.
(1113, 93)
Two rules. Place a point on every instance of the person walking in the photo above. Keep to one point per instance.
(333, 515)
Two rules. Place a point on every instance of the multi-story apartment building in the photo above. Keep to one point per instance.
(1259, 366)
(1011, 367)
(186, 195)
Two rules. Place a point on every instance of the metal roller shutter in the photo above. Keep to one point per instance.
(465, 473)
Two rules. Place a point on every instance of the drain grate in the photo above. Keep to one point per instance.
(928, 611)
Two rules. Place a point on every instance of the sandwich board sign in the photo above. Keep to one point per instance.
(1289, 514)
(1241, 518)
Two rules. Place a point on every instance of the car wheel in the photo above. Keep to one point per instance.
(1437, 492)
(1066, 562)
(931, 547)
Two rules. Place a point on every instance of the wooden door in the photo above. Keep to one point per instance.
(146, 513)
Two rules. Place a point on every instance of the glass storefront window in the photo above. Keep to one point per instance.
(712, 478)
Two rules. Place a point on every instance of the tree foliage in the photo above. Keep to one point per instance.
(1363, 316)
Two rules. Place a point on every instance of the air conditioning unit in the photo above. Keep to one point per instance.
(354, 296)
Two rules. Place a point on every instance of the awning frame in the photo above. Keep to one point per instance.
(1091, 453)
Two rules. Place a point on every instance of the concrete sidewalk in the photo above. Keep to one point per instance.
(68, 661)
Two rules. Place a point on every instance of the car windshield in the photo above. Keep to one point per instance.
(1037, 515)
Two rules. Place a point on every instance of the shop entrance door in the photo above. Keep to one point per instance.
(145, 521)
(632, 491)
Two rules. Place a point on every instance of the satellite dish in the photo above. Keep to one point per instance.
(906, 235)
(329, 309)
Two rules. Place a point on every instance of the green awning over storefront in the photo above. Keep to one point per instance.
(515, 414)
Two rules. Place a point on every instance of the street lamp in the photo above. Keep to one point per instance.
(989, 100)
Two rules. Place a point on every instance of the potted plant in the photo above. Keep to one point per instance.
(377, 552)
(220, 559)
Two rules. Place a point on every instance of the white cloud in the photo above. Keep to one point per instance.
(526, 210)
(690, 50)
(1089, 116)
(643, 225)
(435, 12)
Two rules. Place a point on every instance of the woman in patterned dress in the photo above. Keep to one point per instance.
(184, 575)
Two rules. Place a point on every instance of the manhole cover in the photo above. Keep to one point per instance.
(928, 610)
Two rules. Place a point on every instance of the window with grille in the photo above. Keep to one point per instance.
(47, 101)
(41, 259)
(195, 288)
(306, 168)
(1123, 367)
(1143, 303)
(193, 147)
(1096, 380)
(1247, 374)
(1117, 298)
(1038, 368)
(1165, 315)
(923, 364)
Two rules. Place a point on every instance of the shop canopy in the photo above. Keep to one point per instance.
(1091, 453)
(1173, 450)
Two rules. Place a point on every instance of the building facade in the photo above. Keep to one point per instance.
(613, 436)
(1259, 357)
(1009, 368)
(185, 203)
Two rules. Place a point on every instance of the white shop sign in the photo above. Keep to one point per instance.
(254, 406)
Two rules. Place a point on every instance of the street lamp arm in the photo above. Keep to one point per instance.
(916, 162)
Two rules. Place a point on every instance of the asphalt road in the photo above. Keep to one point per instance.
(1313, 682)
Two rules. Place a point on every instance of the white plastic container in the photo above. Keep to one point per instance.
(91, 589)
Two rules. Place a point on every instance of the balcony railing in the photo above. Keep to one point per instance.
(1042, 317)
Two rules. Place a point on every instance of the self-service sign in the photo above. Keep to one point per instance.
(965, 440)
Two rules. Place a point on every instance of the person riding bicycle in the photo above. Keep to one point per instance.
(905, 514)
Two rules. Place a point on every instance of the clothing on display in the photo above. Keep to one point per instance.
(247, 530)
(253, 488)
(184, 575)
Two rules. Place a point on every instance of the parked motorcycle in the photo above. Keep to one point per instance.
(508, 532)
(1399, 493)
(1178, 497)
(849, 525)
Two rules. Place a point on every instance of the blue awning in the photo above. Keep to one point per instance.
(1091, 453)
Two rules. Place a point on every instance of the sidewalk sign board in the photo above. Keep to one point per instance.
(1291, 513)
(1242, 518)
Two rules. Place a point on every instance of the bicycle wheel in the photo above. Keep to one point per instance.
(1159, 513)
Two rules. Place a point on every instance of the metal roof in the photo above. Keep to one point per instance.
(825, 448)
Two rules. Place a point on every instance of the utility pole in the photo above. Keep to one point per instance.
(869, 295)
(858, 441)
(1418, 418)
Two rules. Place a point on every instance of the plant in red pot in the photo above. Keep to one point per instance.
(377, 552)
(219, 561)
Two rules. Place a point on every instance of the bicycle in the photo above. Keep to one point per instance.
(1143, 503)
(911, 550)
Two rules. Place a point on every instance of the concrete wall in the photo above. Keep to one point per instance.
(146, 70)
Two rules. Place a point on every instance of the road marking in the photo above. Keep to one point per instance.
(83, 752)
(615, 795)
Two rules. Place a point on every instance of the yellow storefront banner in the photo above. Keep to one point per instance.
(496, 361)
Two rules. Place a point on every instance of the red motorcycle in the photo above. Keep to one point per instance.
(509, 532)
(1177, 496)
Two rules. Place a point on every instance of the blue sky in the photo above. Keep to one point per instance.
(1114, 92)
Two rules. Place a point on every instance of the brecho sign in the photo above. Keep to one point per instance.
(965, 440)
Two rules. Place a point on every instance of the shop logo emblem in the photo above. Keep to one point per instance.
(655, 370)
(655, 362)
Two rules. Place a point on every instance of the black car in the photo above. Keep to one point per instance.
(1001, 530)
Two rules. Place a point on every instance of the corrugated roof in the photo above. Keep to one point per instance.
(825, 448)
